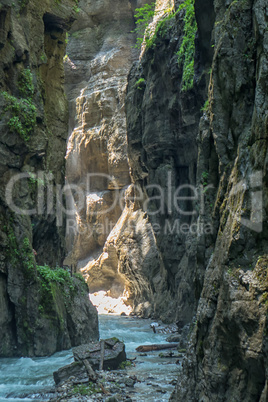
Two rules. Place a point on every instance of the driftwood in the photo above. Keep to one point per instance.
(102, 345)
(149, 348)
(90, 372)
(104, 391)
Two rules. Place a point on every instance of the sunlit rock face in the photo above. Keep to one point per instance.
(100, 54)
(107, 304)
(126, 255)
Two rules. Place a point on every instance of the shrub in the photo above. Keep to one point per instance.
(205, 107)
(22, 110)
(140, 83)
(187, 49)
(144, 16)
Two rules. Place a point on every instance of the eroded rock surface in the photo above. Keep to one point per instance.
(35, 319)
(126, 256)
(229, 340)
(213, 137)
(100, 55)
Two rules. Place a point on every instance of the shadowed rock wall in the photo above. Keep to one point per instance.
(37, 316)
(227, 358)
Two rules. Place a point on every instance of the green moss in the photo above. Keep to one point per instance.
(54, 283)
(144, 16)
(204, 177)
(140, 84)
(12, 245)
(20, 256)
(23, 4)
(35, 182)
(116, 340)
(57, 275)
(187, 49)
(43, 58)
(161, 28)
(28, 257)
(25, 84)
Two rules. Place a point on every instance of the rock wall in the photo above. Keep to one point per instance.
(213, 137)
(227, 358)
(111, 238)
(201, 256)
(99, 56)
(162, 148)
(38, 315)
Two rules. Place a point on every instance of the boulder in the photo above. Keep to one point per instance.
(174, 338)
(75, 369)
(114, 353)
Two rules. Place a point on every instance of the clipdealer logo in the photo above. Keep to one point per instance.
(50, 199)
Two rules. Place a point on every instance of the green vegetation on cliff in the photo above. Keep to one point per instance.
(161, 27)
(54, 280)
(144, 16)
(57, 275)
(187, 49)
(21, 109)
(186, 52)
(19, 255)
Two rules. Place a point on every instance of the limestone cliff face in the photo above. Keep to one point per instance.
(38, 315)
(100, 54)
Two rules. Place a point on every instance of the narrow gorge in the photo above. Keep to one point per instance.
(133, 150)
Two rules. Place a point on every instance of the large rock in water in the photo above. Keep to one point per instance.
(76, 369)
(114, 355)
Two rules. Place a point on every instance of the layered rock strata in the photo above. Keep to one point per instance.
(99, 56)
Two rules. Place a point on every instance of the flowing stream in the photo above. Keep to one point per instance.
(21, 376)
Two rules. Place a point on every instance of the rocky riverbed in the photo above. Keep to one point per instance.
(145, 377)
